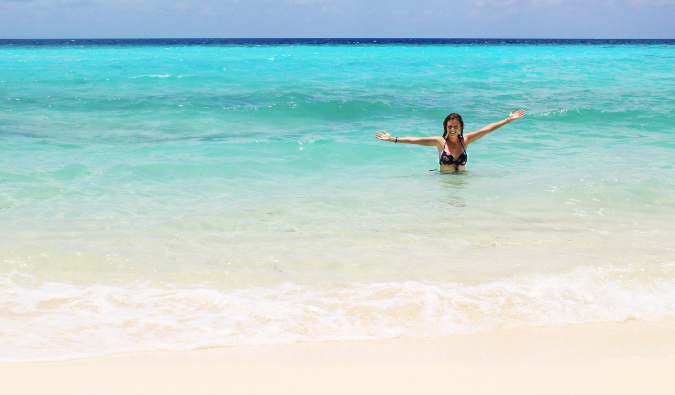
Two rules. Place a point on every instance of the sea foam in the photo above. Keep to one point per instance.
(53, 321)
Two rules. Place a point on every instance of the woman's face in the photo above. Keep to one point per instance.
(453, 128)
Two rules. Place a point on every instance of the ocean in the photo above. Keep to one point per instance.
(182, 194)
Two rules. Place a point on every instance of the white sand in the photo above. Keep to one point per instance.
(626, 358)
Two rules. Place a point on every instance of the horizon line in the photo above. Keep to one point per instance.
(334, 38)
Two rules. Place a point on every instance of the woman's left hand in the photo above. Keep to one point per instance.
(515, 115)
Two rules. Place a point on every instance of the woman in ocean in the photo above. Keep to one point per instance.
(452, 145)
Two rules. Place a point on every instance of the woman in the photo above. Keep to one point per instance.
(452, 145)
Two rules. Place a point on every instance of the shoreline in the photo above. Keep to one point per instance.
(618, 358)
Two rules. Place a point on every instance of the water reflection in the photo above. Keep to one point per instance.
(453, 185)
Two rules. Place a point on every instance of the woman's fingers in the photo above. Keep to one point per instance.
(516, 115)
(383, 136)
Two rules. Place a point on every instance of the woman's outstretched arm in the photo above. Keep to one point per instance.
(428, 141)
(473, 136)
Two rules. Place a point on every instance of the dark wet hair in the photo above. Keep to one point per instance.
(449, 118)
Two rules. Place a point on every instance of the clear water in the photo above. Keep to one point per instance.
(183, 196)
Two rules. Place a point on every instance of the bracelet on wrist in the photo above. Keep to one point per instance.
(396, 141)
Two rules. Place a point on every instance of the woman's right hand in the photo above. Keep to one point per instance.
(384, 136)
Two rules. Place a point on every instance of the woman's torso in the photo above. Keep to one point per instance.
(452, 156)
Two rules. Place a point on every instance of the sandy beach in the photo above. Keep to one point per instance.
(602, 358)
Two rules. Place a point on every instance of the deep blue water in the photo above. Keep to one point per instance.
(330, 41)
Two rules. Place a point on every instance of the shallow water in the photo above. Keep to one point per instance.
(174, 197)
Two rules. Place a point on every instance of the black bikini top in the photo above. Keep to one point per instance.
(448, 159)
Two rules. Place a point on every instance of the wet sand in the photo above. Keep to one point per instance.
(602, 358)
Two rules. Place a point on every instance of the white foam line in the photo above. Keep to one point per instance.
(63, 321)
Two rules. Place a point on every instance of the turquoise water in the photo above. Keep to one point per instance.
(176, 197)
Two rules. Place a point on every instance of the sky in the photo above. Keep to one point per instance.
(337, 19)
